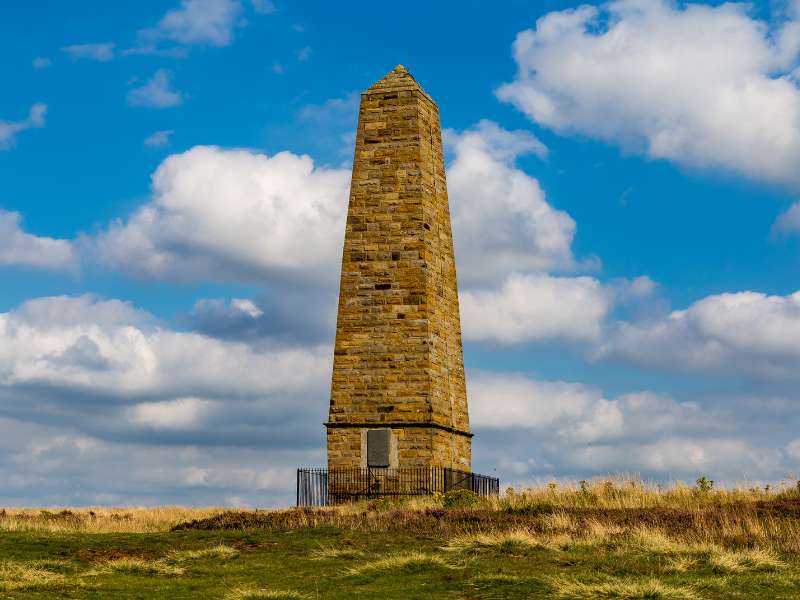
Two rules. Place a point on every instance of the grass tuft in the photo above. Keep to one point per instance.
(655, 541)
(328, 552)
(407, 561)
(20, 576)
(624, 589)
(679, 564)
(136, 566)
(258, 594)
(741, 561)
(219, 551)
(494, 578)
(504, 541)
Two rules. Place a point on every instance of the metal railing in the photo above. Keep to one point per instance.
(321, 487)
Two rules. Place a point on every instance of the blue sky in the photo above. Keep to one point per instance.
(623, 180)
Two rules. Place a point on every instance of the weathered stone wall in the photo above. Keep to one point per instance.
(398, 359)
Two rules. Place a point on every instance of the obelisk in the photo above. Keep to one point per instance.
(398, 396)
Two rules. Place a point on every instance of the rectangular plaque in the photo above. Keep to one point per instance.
(378, 447)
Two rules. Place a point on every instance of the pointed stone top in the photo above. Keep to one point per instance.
(397, 79)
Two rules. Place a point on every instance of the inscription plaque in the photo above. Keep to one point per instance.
(378, 447)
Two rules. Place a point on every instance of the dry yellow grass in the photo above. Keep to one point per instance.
(330, 552)
(497, 578)
(100, 520)
(508, 540)
(261, 594)
(739, 561)
(404, 560)
(136, 566)
(626, 492)
(655, 541)
(20, 576)
(218, 551)
(623, 588)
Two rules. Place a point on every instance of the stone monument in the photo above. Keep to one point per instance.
(398, 397)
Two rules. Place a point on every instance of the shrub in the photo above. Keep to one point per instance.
(704, 484)
(460, 498)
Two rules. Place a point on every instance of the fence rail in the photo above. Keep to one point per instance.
(321, 487)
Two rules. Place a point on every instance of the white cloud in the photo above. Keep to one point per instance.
(228, 214)
(219, 310)
(246, 307)
(57, 312)
(10, 129)
(194, 22)
(704, 86)
(555, 428)
(501, 219)
(41, 62)
(159, 139)
(263, 6)
(733, 332)
(732, 459)
(536, 307)
(18, 248)
(100, 52)
(793, 449)
(103, 347)
(181, 413)
(304, 54)
(500, 401)
(46, 465)
(236, 214)
(100, 381)
(287, 311)
(156, 92)
(788, 222)
(575, 412)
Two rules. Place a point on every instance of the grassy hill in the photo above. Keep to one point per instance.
(600, 539)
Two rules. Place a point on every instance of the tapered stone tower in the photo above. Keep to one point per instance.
(398, 397)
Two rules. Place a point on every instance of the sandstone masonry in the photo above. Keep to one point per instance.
(398, 362)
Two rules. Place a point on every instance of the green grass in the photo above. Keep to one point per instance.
(599, 540)
(303, 563)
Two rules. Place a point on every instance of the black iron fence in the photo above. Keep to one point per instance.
(320, 487)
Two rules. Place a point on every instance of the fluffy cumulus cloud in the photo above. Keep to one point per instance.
(744, 332)
(102, 379)
(228, 214)
(507, 236)
(109, 349)
(502, 221)
(704, 86)
(18, 248)
(241, 215)
(10, 129)
(536, 307)
(536, 429)
(46, 465)
(156, 92)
